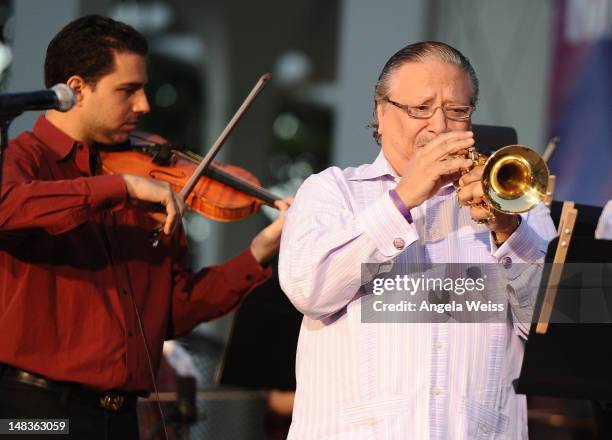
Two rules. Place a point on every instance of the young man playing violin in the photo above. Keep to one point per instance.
(86, 301)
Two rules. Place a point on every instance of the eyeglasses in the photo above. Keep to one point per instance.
(424, 111)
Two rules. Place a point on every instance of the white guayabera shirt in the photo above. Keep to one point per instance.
(604, 225)
(418, 381)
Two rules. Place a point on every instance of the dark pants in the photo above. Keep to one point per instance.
(86, 421)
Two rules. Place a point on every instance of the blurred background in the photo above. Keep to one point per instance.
(544, 69)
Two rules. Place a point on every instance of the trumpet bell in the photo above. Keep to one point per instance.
(515, 179)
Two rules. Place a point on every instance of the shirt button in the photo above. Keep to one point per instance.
(506, 262)
(130, 333)
(123, 291)
(249, 277)
(436, 391)
(372, 421)
(399, 243)
(438, 346)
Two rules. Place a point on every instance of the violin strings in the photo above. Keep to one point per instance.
(265, 194)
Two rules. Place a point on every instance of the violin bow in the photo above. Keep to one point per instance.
(210, 155)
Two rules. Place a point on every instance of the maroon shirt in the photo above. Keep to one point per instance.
(71, 251)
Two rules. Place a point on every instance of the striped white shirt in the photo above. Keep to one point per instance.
(400, 381)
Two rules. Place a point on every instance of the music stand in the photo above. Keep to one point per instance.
(570, 360)
(5, 122)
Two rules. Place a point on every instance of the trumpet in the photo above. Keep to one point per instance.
(514, 180)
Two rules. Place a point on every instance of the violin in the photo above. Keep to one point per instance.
(224, 192)
(218, 191)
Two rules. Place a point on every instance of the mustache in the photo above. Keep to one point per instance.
(422, 141)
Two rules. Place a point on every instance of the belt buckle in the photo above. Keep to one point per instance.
(31, 379)
(113, 402)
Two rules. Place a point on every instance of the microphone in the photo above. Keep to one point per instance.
(59, 97)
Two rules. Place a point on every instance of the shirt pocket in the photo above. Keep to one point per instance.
(484, 422)
(369, 418)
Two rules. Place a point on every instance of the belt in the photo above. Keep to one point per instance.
(111, 400)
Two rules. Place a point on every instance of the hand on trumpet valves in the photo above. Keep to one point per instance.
(432, 165)
(470, 193)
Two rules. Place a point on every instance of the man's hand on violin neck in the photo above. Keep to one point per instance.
(434, 165)
(157, 197)
(265, 245)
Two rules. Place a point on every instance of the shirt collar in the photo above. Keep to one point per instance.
(58, 142)
(381, 168)
(62, 146)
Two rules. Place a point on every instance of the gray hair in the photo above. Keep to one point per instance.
(419, 52)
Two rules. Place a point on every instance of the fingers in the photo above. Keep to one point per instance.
(172, 214)
(471, 193)
(452, 165)
(265, 244)
(450, 136)
(463, 153)
(447, 151)
(449, 178)
(449, 144)
(283, 204)
(276, 226)
(470, 187)
(473, 176)
(180, 203)
(151, 195)
(175, 208)
(454, 148)
(479, 213)
(159, 217)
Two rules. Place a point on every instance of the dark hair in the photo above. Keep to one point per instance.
(86, 47)
(419, 52)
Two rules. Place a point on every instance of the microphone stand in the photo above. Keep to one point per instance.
(5, 122)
